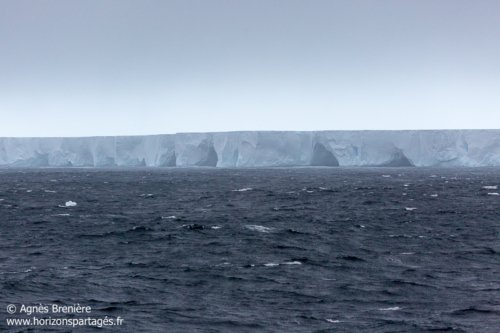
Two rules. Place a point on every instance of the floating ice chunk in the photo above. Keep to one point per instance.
(493, 193)
(410, 209)
(394, 308)
(490, 187)
(243, 189)
(258, 228)
(69, 204)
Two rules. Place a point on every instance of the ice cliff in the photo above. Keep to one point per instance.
(260, 149)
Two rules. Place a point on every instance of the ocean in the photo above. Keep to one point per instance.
(251, 250)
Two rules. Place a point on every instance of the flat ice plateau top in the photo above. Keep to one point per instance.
(468, 148)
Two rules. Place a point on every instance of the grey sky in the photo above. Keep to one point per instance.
(110, 67)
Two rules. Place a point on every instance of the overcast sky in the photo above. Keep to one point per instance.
(121, 67)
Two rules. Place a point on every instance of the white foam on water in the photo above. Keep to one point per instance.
(243, 189)
(386, 176)
(258, 228)
(29, 191)
(62, 215)
(216, 227)
(493, 193)
(69, 204)
(292, 263)
(333, 321)
(171, 217)
(490, 187)
(49, 191)
(434, 195)
(271, 264)
(410, 209)
(394, 308)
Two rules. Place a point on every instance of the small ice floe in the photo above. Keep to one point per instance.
(68, 204)
(434, 195)
(271, 264)
(393, 308)
(215, 227)
(493, 193)
(171, 217)
(333, 321)
(490, 187)
(410, 209)
(49, 191)
(258, 228)
(243, 189)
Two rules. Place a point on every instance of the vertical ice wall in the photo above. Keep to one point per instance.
(261, 149)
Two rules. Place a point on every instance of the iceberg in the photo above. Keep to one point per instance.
(412, 148)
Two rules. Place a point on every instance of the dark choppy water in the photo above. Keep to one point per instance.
(295, 250)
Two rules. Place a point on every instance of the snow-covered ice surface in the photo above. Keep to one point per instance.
(260, 149)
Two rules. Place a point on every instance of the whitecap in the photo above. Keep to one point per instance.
(333, 321)
(490, 187)
(271, 264)
(49, 191)
(171, 217)
(243, 189)
(410, 209)
(434, 195)
(386, 176)
(292, 263)
(258, 228)
(216, 227)
(62, 215)
(394, 308)
(69, 204)
(29, 191)
(493, 193)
